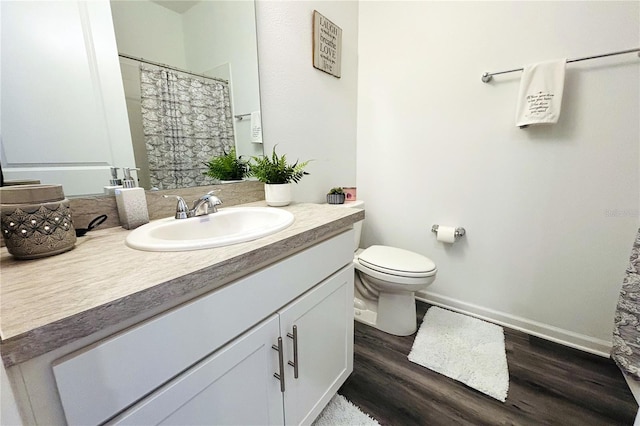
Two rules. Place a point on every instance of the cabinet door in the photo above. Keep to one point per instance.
(233, 386)
(323, 321)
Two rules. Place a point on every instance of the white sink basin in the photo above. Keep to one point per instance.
(227, 226)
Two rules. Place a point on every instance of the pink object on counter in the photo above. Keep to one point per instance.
(350, 193)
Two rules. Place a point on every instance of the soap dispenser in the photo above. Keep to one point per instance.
(132, 203)
(114, 182)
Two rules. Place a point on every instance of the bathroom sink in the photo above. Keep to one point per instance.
(227, 226)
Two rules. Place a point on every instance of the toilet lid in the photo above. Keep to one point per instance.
(397, 261)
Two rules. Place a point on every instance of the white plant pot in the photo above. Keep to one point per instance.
(277, 195)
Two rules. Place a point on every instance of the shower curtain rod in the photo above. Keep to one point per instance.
(487, 76)
(157, 64)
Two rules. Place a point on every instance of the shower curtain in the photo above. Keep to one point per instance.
(626, 333)
(186, 121)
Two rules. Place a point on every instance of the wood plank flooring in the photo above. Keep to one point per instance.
(549, 384)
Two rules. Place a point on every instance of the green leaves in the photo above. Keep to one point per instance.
(227, 167)
(275, 170)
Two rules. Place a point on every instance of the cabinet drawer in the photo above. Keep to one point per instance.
(98, 382)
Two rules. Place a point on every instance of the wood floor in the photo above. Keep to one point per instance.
(548, 384)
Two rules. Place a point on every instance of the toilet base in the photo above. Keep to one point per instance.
(397, 313)
(365, 316)
(402, 318)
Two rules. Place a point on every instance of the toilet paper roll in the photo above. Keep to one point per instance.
(446, 234)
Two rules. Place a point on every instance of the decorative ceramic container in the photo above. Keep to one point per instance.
(36, 221)
(277, 195)
(335, 198)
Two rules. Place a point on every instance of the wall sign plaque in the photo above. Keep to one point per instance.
(327, 45)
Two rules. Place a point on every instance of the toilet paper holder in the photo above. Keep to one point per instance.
(458, 233)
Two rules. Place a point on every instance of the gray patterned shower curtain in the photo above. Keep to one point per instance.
(626, 332)
(186, 121)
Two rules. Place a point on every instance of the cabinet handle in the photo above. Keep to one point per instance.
(294, 364)
(279, 376)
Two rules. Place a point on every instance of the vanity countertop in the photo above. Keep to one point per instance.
(47, 303)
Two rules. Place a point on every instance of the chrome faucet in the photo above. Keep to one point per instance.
(201, 206)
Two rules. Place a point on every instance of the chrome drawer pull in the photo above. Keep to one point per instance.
(279, 376)
(294, 364)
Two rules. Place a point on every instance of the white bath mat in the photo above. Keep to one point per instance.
(465, 349)
(341, 412)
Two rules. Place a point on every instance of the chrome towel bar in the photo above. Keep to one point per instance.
(488, 76)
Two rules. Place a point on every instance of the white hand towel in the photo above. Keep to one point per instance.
(256, 127)
(540, 97)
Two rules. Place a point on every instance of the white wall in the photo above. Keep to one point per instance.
(150, 31)
(550, 212)
(309, 114)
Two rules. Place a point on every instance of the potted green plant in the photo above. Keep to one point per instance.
(336, 196)
(277, 175)
(227, 167)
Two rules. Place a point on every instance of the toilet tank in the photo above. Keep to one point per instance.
(357, 227)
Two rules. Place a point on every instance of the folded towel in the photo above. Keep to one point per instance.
(540, 96)
(256, 127)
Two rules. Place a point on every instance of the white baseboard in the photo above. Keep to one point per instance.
(545, 331)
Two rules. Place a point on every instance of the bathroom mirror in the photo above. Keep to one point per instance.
(62, 113)
(215, 39)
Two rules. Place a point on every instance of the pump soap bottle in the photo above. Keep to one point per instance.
(132, 203)
(114, 182)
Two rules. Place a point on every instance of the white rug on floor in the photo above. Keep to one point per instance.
(465, 349)
(341, 412)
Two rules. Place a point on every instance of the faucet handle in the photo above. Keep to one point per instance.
(182, 211)
(211, 200)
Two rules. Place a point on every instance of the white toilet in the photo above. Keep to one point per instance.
(386, 281)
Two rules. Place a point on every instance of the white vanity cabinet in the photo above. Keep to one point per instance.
(212, 360)
(236, 385)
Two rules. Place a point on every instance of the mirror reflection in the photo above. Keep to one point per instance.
(64, 119)
(190, 75)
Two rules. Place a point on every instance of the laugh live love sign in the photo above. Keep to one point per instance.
(327, 45)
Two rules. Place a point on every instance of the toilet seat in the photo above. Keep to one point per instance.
(397, 262)
(393, 282)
